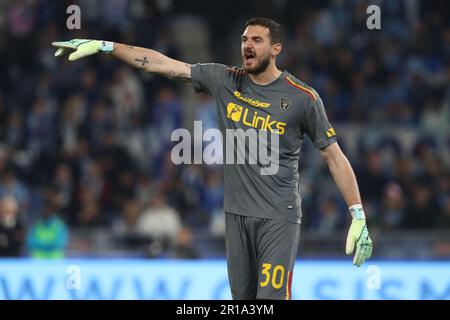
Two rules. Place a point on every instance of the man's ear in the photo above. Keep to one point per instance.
(276, 49)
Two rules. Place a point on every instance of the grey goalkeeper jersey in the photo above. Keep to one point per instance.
(286, 107)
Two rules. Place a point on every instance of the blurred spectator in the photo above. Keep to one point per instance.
(41, 126)
(443, 219)
(159, 221)
(4, 158)
(392, 207)
(145, 190)
(92, 181)
(12, 232)
(89, 85)
(435, 116)
(14, 132)
(127, 95)
(330, 218)
(99, 123)
(421, 209)
(212, 192)
(404, 173)
(166, 116)
(72, 117)
(10, 185)
(127, 223)
(372, 177)
(184, 246)
(64, 185)
(89, 213)
(47, 238)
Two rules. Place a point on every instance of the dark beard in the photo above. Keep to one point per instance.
(259, 68)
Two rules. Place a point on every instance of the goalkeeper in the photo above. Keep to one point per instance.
(262, 212)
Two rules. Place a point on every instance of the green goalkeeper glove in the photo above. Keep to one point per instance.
(82, 48)
(358, 236)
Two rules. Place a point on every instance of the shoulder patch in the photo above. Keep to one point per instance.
(306, 90)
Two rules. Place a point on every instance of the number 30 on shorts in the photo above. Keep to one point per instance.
(276, 275)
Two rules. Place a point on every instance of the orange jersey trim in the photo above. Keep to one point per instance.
(306, 90)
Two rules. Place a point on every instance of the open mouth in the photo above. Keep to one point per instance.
(249, 58)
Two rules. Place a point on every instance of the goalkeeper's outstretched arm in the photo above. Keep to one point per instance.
(153, 61)
(141, 58)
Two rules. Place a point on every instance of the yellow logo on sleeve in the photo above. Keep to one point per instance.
(330, 133)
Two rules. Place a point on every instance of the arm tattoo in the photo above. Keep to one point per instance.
(182, 77)
(143, 62)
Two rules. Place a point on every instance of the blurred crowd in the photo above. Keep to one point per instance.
(87, 145)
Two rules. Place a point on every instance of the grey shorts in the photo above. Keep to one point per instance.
(261, 255)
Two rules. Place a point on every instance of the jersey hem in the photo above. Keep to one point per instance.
(295, 221)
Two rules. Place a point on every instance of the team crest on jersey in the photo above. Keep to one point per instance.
(285, 103)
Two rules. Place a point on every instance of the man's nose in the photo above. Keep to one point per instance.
(248, 47)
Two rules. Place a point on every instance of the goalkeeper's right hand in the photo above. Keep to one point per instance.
(82, 48)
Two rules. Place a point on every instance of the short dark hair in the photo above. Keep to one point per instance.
(276, 32)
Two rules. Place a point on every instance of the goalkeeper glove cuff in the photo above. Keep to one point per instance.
(357, 212)
(107, 46)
